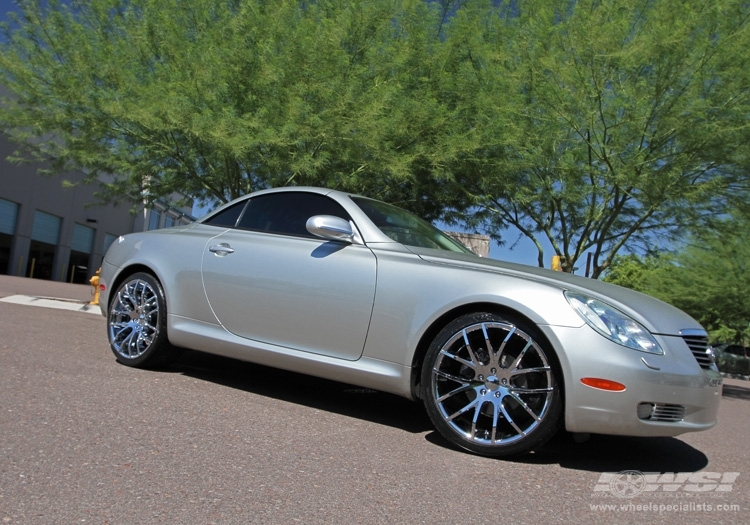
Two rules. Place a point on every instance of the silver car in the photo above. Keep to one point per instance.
(359, 291)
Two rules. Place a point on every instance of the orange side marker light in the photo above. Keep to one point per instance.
(603, 384)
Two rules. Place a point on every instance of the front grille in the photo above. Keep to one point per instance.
(663, 412)
(697, 340)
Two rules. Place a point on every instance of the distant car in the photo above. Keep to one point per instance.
(355, 290)
(730, 348)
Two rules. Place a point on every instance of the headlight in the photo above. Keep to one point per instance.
(613, 324)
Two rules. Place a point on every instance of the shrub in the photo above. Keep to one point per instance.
(732, 364)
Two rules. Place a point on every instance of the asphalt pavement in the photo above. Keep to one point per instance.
(212, 440)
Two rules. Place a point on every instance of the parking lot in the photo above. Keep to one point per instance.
(212, 440)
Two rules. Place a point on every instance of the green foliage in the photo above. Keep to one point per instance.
(593, 125)
(732, 364)
(629, 120)
(215, 99)
(634, 272)
(709, 279)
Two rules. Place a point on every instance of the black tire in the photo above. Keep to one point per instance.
(491, 385)
(137, 323)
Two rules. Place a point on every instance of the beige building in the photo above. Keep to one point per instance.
(479, 244)
(48, 231)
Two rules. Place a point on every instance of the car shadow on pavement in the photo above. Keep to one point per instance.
(617, 453)
(599, 453)
(611, 454)
(322, 394)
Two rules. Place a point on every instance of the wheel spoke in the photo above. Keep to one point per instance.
(477, 410)
(124, 300)
(142, 297)
(469, 349)
(129, 343)
(519, 371)
(462, 388)
(509, 419)
(525, 406)
(517, 360)
(451, 377)
(459, 359)
(495, 417)
(120, 327)
(522, 391)
(462, 411)
(504, 342)
(487, 341)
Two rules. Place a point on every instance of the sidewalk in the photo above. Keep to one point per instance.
(47, 294)
(10, 285)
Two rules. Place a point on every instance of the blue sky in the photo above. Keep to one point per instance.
(523, 251)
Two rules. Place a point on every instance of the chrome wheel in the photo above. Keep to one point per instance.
(491, 387)
(137, 322)
(134, 319)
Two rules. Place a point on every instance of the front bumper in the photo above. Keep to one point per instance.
(684, 396)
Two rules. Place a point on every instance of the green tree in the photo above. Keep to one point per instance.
(709, 278)
(636, 272)
(630, 118)
(216, 98)
(596, 125)
(711, 281)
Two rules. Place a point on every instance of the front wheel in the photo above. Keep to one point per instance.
(137, 323)
(491, 386)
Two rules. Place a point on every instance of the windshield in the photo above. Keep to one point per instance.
(408, 229)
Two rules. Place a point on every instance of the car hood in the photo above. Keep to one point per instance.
(656, 315)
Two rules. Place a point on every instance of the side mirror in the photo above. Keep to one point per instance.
(330, 228)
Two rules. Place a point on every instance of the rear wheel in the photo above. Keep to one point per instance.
(137, 323)
(491, 386)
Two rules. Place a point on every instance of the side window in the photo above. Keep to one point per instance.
(227, 218)
(287, 213)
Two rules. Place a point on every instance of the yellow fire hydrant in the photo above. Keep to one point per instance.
(95, 283)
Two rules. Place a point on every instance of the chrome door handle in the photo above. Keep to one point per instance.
(221, 249)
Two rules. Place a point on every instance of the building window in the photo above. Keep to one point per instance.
(8, 214)
(154, 219)
(80, 253)
(45, 234)
(83, 238)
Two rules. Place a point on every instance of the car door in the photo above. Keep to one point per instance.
(270, 280)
